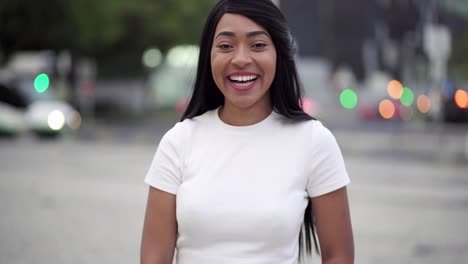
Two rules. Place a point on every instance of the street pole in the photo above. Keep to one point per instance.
(437, 41)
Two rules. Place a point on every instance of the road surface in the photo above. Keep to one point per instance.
(81, 200)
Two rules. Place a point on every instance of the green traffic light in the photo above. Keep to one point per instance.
(348, 99)
(407, 97)
(41, 83)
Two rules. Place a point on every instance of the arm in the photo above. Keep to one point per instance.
(333, 222)
(159, 229)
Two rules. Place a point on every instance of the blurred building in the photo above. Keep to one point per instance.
(331, 29)
(368, 35)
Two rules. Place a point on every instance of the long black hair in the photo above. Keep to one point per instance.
(285, 90)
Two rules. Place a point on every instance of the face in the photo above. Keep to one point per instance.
(243, 62)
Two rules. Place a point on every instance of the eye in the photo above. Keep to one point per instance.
(224, 46)
(259, 45)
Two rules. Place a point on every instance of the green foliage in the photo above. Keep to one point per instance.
(34, 25)
(100, 27)
(458, 7)
(459, 58)
(96, 23)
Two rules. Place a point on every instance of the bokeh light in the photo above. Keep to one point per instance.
(56, 120)
(41, 83)
(74, 122)
(183, 56)
(461, 98)
(152, 58)
(307, 105)
(181, 104)
(423, 103)
(395, 89)
(407, 98)
(348, 99)
(386, 109)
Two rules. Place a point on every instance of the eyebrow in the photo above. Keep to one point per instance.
(248, 34)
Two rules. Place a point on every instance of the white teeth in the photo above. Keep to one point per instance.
(243, 78)
(244, 84)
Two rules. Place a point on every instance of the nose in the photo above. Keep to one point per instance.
(241, 57)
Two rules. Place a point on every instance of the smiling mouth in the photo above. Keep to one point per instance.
(244, 81)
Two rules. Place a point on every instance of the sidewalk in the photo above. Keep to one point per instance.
(433, 143)
(429, 147)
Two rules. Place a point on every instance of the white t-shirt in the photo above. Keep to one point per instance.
(241, 191)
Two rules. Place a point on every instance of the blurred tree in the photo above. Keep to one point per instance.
(145, 23)
(96, 24)
(456, 17)
(100, 28)
(459, 61)
(34, 25)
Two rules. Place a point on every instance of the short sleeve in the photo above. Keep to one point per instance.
(328, 171)
(165, 172)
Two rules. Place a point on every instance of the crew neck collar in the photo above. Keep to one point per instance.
(220, 123)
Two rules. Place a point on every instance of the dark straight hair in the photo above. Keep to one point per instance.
(285, 90)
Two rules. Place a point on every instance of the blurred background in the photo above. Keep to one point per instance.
(88, 88)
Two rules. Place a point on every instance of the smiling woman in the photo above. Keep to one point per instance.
(243, 59)
(246, 173)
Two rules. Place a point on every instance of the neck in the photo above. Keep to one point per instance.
(236, 116)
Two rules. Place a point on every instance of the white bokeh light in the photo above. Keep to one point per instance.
(152, 57)
(56, 120)
(183, 56)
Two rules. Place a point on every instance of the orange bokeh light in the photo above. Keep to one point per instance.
(395, 89)
(461, 98)
(424, 103)
(386, 109)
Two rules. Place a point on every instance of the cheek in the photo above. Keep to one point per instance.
(269, 65)
(214, 66)
(217, 70)
(216, 63)
(273, 66)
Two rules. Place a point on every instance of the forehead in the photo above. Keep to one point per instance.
(237, 23)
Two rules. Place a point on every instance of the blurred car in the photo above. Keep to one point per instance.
(42, 113)
(454, 102)
(12, 112)
(371, 95)
(382, 108)
(375, 102)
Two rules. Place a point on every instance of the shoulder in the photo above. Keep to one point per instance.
(315, 134)
(182, 130)
(322, 142)
(320, 134)
(312, 128)
(319, 131)
(178, 131)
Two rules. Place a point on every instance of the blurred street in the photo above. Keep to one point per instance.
(87, 93)
(81, 199)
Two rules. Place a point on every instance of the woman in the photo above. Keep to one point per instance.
(246, 168)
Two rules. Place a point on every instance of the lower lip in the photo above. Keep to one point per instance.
(242, 88)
